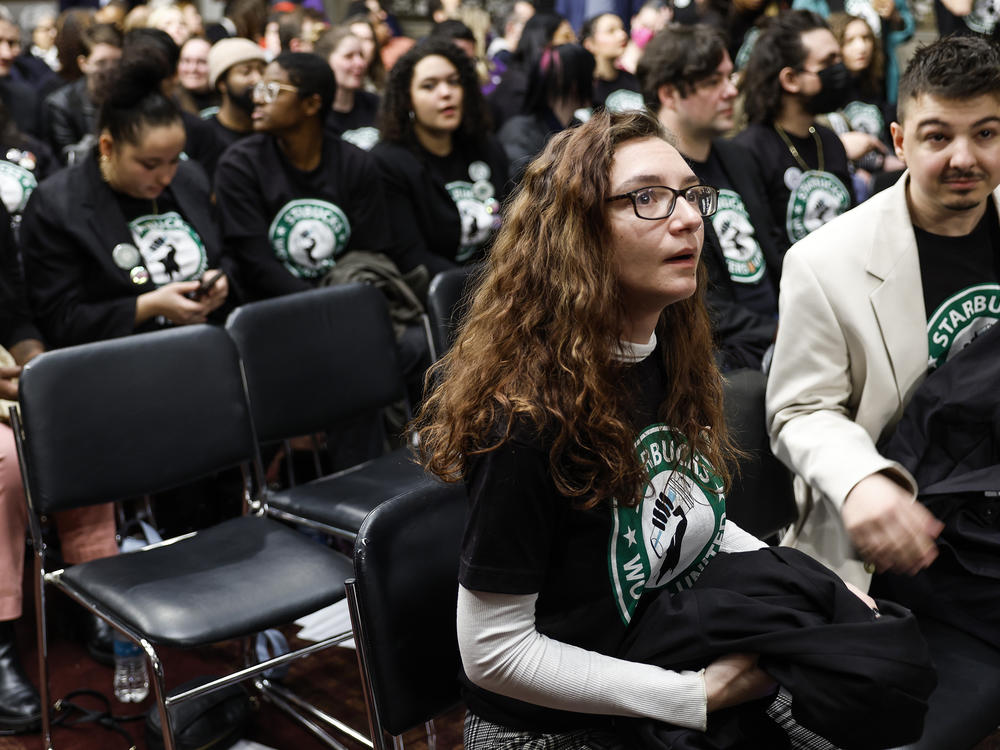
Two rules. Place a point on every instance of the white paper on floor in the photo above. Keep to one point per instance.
(326, 622)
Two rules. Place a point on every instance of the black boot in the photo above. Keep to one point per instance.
(20, 706)
(98, 638)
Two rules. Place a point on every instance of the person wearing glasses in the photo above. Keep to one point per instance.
(794, 74)
(293, 198)
(582, 407)
(687, 81)
(445, 174)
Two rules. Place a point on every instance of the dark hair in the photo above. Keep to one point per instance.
(311, 74)
(101, 33)
(153, 46)
(451, 28)
(778, 46)
(70, 27)
(956, 68)
(535, 37)
(394, 120)
(587, 29)
(249, 17)
(561, 72)
(679, 56)
(289, 27)
(135, 100)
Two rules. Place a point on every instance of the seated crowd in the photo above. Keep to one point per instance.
(158, 171)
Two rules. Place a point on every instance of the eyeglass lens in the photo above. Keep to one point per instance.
(658, 202)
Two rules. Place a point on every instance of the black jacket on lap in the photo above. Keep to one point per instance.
(859, 681)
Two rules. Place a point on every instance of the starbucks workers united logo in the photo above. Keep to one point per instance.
(744, 258)
(959, 320)
(816, 198)
(669, 537)
(307, 236)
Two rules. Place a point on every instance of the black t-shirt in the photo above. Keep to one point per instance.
(164, 242)
(358, 125)
(960, 283)
(801, 200)
(589, 567)
(745, 261)
(286, 227)
(621, 94)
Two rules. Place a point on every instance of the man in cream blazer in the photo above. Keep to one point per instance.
(852, 343)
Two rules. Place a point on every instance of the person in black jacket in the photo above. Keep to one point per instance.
(445, 173)
(685, 73)
(293, 199)
(119, 242)
(560, 84)
(71, 111)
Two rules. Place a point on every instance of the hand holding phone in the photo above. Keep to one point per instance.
(206, 285)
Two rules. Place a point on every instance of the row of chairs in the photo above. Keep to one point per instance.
(138, 415)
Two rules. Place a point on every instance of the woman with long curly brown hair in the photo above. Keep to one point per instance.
(582, 407)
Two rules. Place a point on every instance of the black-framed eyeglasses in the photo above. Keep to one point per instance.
(658, 201)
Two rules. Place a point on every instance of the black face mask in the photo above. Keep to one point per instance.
(836, 85)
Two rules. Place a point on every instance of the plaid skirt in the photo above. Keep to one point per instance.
(484, 735)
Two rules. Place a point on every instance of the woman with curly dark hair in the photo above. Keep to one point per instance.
(444, 171)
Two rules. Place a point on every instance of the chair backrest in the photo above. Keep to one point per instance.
(316, 358)
(447, 300)
(762, 498)
(403, 602)
(134, 415)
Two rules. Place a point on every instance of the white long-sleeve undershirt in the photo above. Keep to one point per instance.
(503, 652)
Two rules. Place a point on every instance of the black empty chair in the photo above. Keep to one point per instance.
(761, 499)
(315, 360)
(121, 418)
(403, 607)
(447, 301)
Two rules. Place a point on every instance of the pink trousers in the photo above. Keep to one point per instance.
(85, 533)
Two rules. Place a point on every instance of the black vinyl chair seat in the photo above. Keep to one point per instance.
(210, 587)
(343, 500)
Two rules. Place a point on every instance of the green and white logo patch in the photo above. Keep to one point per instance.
(308, 235)
(364, 138)
(624, 100)
(959, 320)
(744, 258)
(668, 539)
(478, 210)
(984, 16)
(171, 250)
(816, 199)
(16, 186)
(865, 117)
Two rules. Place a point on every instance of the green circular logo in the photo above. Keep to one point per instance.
(818, 198)
(669, 537)
(308, 235)
(744, 258)
(16, 186)
(171, 250)
(959, 320)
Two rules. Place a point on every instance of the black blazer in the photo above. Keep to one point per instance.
(71, 224)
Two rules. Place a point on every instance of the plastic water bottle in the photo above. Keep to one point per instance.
(131, 678)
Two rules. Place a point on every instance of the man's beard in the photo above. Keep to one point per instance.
(243, 101)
